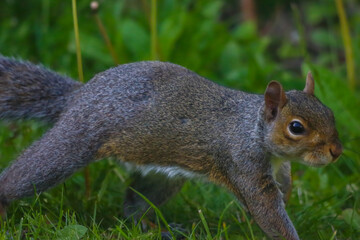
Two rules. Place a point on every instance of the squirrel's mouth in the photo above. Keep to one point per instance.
(313, 164)
(316, 160)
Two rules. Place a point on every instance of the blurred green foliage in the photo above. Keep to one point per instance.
(209, 38)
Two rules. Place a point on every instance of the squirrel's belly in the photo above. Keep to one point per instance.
(173, 171)
(172, 157)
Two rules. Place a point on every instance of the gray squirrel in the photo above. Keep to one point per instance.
(167, 120)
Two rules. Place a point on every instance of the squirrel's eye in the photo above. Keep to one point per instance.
(296, 128)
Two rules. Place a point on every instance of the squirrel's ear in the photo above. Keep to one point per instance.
(275, 99)
(310, 84)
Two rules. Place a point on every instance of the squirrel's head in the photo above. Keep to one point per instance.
(299, 126)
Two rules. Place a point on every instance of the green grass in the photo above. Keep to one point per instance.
(324, 203)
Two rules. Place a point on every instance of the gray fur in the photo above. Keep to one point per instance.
(31, 91)
(147, 113)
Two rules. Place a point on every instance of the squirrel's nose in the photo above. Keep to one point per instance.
(336, 150)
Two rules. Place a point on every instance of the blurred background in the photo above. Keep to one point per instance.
(241, 44)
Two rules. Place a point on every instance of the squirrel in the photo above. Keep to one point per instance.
(169, 121)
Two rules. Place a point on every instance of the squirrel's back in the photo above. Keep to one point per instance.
(166, 83)
(165, 90)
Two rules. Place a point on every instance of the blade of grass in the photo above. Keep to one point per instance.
(153, 29)
(61, 208)
(193, 231)
(203, 220)
(94, 8)
(225, 231)
(333, 236)
(221, 217)
(142, 218)
(81, 78)
(247, 221)
(345, 33)
(121, 231)
(157, 211)
(94, 216)
(77, 42)
(20, 228)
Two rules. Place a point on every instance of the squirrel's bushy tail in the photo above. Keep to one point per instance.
(31, 91)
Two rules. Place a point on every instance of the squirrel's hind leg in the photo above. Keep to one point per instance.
(156, 187)
(64, 149)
